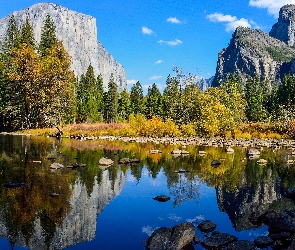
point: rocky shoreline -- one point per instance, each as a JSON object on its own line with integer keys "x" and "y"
{"x": 281, "y": 231}
{"x": 209, "y": 142}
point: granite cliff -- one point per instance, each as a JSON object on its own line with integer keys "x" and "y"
{"x": 79, "y": 35}
{"x": 253, "y": 52}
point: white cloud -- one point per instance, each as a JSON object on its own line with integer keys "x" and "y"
{"x": 159, "y": 62}
{"x": 131, "y": 82}
{"x": 272, "y": 6}
{"x": 148, "y": 230}
{"x": 171, "y": 43}
{"x": 146, "y": 31}
{"x": 174, "y": 217}
{"x": 173, "y": 20}
{"x": 155, "y": 77}
{"x": 232, "y": 22}
{"x": 145, "y": 86}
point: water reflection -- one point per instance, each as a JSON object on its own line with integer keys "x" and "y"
{"x": 29, "y": 216}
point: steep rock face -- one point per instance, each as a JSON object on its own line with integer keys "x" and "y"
{"x": 253, "y": 52}
{"x": 284, "y": 29}
{"x": 79, "y": 35}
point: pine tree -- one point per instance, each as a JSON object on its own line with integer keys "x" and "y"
{"x": 90, "y": 95}
{"x": 48, "y": 36}
{"x": 124, "y": 105}
{"x": 12, "y": 35}
{"x": 99, "y": 95}
{"x": 27, "y": 34}
{"x": 136, "y": 98}
{"x": 153, "y": 102}
{"x": 171, "y": 98}
{"x": 255, "y": 97}
{"x": 112, "y": 101}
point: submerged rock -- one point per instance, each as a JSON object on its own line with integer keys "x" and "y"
{"x": 56, "y": 165}
{"x": 263, "y": 241}
{"x": 241, "y": 245}
{"x": 174, "y": 238}
{"x": 135, "y": 160}
{"x": 15, "y": 185}
{"x": 207, "y": 226}
{"x": 124, "y": 161}
{"x": 215, "y": 163}
{"x": 262, "y": 162}
{"x": 218, "y": 240}
{"x": 253, "y": 151}
{"x": 162, "y": 198}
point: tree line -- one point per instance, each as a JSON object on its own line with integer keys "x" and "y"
{"x": 38, "y": 89}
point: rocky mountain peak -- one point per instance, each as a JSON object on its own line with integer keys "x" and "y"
{"x": 284, "y": 29}
{"x": 79, "y": 35}
{"x": 252, "y": 52}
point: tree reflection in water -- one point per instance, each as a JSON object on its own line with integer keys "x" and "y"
{"x": 185, "y": 189}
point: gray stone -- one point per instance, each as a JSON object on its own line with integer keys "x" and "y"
{"x": 263, "y": 241}
{"x": 79, "y": 35}
{"x": 162, "y": 198}
{"x": 219, "y": 240}
{"x": 241, "y": 245}
{"x": 56, "y": 165}
{"x": 105, "y": 162}
{"x": 207, "y": 226}
{"x": 124, "y": 161}
{"x": 174, "y": 238}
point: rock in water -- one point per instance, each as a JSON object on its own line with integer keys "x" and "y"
{"x": 162, "y": 198}
{"x": 15, "y": 185}
{"x": 207, "y": 226}
{"x": 241, "y": 245}
{"x": 219, "y": 240}
{"x": 263, "y": 241}
{"x": 174, "y": 238}
{"x": 105, "y": 162}
{"x": 79, "y": 35}
{"x": 215, "y": 163}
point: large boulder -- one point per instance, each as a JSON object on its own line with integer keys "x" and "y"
{"x": 105, "y": 162}
{"x": 219, "y": 240}
{"x": 174, "y": 238}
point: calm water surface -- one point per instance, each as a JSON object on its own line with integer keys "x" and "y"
{"x": 113, "y": 208}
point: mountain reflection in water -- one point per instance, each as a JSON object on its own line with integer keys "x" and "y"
{"x": 84, "y": 209}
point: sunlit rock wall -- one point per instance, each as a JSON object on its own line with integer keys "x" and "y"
{"x": 79, "y": 35}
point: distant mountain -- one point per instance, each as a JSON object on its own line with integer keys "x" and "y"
{"x": 253, "y": 52}
{"x": 205, "y": 83}
{"x": 79, "y": 35}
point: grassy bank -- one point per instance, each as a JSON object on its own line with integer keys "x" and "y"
{"x": 154, "y": 127}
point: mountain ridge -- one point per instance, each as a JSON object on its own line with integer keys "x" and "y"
{"x": 252, "y": 51}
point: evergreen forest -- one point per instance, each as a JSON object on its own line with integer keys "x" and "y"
{"x": 38, "y": 89}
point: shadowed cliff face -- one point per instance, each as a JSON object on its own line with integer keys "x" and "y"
{"x": 79, "y": 35}
{"x": 253, "y": 52}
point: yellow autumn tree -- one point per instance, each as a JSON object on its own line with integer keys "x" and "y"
{"x": 24, "y": 74}
{"x": 58, "y": 82}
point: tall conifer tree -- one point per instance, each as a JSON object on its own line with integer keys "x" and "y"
{"x": 48, "y": 36}
{"x": 27, "y": 34}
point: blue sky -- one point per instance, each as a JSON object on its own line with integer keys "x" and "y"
{"x": 149, "y": 37}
